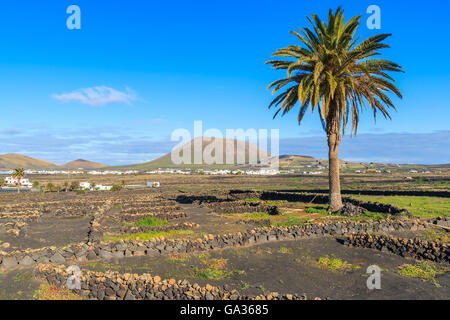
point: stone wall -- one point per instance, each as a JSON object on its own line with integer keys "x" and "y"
{"x": 116, "y": 286}
{"x": 416, "y": 248}
{"x": 321, "y": 199}
{"x": 91, "y": 251}
{"x": 139, "y": 229}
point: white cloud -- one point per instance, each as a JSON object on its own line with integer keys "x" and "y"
{"x": 98, "y": 96}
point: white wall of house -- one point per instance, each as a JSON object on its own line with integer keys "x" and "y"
{"x": 24, "y": 182}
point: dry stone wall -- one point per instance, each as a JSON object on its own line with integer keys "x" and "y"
{"x": 416, "y": 248}
{"x": 91, "y": 251}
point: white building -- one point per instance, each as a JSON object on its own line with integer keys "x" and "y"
{"x": 102, "y": 187}
{"x": 85, "y": 185}
{"x": 24, "y": 182}
{"x": 153, "y": 184}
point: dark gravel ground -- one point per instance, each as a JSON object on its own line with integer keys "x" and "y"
{"x": 291, "y": 267}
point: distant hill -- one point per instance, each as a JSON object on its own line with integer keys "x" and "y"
{"x": 83, "y": 164}
{"x": 11, "y": 161}
{"x": 165, "y": 161}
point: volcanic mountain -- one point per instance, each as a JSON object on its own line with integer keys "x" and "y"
{"x": 240, "y": 153}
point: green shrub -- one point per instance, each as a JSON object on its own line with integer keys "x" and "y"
{"x": 116, "y": 188}
{"x": 316, "y": 210}
{"x": 150, "y": 222}
{"x": 424, "y": 270}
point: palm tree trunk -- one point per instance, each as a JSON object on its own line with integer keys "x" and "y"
{"x": 335, "y": 199}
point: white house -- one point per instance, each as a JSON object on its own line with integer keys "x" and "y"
{"x": 102, "y": 187}
{"x": 85, "y": 185}
{"x": 24, "y": 182}
{"x": 153, "y": 184}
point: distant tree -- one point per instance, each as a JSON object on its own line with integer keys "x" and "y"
{"x": 74, "y": 186}
{"x": 331, "y": 73}
{"x": 58, "y": 188}
{"x": 123, "y": 183}
{"x": 35, "y": 184}
{"x": 49, "y": 186}
{"x": 2, "y": 182}
{"x": 66, "y": 186}
{"x": 19, "y": 174}
{"x": 116, "y": 188}
{"x": 93, "y": 184}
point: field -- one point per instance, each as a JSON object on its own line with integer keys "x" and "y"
{"x": 227, "y": 237}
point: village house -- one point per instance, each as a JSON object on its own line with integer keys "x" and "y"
{"x": 24, "y": 182}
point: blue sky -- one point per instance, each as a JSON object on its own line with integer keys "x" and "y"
{"x": 115, "y": 90}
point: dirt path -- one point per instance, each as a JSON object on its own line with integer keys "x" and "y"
{"x": 208, "y": 221}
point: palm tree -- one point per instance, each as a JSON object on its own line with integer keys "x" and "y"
{"x": 75, "y": 185}
{"x": 334, "y": 75}
{"x": 50, "y": 186}
{"x": 19, "y": 174}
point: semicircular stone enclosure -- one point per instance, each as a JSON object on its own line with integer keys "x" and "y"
{"x": 223, "y": 244}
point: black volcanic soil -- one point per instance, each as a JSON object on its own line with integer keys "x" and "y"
{"x": 289, "y": 267}
{"x": 49, "y": 231}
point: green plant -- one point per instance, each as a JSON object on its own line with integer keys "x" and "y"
{"x": 19, "y": 174}
{"x": 285, "y": 250}
{"x": 74, "y": 185}
{"x": 150, "y": 222}
{"x": 116, "y": 188}
{"x": 51, "y": 292}
{"x": 293, "y": 221}
{"x": 148, "y": 235}
{"x": 335, "y": 264}
{"x": 49, "y": 186}
{"x": 424, "y": 270}
{"x": 316, "y": 210}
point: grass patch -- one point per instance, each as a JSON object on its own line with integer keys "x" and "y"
{"x": 217, "y": 274}
{"x": 151, "y": 222}
{"x": 369, "y": 215}
{"x": 249, "y": 215}
{"x": 424, "y": 270}
{"x": 316, "y": 209}
{"x": 335, "y": 264}
{"x": 214, "y": 268}
{"x": 293, "y": 221}
{"x": 285, "y": 250}
{"x": 148, "y": 235}
{"x": 179, "y": 259}
{"x": 274, "y": 202}
{"x": 423, "y": 207}
{"x": 51, "y": 292}
{"x": 250, "y": 200}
